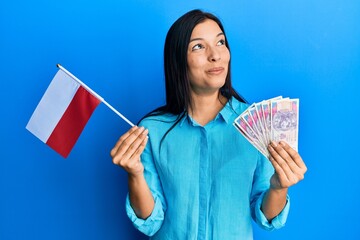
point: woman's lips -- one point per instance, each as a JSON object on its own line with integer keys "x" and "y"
{"x": 215, "y": 70}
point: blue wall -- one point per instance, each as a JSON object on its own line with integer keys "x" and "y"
{"x": 297, "y": 48}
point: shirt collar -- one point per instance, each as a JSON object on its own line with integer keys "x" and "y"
{"x": 225, "y": 113}
{"x": 228, "y": 110}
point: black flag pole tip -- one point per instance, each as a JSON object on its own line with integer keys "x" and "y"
{"x": 58, "y": 65}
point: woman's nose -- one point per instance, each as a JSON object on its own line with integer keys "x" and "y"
{"x": 214, "y": 54}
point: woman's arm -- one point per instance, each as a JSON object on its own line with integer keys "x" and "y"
{"x": 289, "y": 170}
{"x": 141, "y": 199}
{"x": 273, "y": 203}
{"x": 126, "y": 153}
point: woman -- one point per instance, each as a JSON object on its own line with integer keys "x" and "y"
{"x": 197, "y": 177}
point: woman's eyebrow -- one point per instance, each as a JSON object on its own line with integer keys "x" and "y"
{"x": 197, "y": 39}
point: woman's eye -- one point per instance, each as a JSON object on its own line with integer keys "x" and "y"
{"x": 221, "y": 42}
{"x": 197, "y": 47}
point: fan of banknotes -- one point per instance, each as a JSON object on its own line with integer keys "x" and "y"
{"x": 276, "y": 119}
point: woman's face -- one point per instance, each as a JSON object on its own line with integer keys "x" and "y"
{"x": 208, "y": 58}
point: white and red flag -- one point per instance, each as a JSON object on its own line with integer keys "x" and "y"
{"x": 63, "y": 112}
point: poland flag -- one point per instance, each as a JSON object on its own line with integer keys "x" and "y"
{"x": 62, "y": 113}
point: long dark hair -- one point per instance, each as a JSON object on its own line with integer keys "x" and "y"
{"x": 177, "y": 83}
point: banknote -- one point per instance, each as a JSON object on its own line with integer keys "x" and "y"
{"x": 266, "y": 106}
{"x": 249, "y": 134}
{"x": 285, "y": 121}
{"x": 258, "y": 124}
{"x": 275, "y": 119}
{"x": 249, "y": 121}
{"x": 260, "y": 114}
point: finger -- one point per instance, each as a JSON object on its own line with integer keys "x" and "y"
{"x": 126, "y": 141}
{"x": 134, "y": 160}
{"x": 294, "y": 155}
{"x": 288, "y": 167}
{"x": 136, "y": 139}
{"x": 278, "y": 169}
{"x": 281, "y": 150}
{"x": 285, "y": 179}
{"x": 121, "y": 139}
{"x": 140, "y": 149}
{"x": 120, "y": 157}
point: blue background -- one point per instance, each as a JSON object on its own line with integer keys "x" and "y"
{"x": 297, "y": 48}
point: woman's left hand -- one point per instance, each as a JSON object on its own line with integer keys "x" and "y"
{"x": 289, "y": 166}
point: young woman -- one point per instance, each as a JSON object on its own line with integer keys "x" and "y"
{"x": 196, "y": 176}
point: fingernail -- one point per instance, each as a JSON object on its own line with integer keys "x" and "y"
{"x": 282, "y": 143}
{"x": 141, "y": 128}
{"x": 274, "y": 143}
{"x": 270, "y": 148}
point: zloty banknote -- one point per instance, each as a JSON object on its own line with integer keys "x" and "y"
{"x": 258, "y": 124}
{"x": 285, "y": 121}
{"x": 248, "y": 133}
{"x": 259, "y": 111}
{"x": 249, "y": 121}
{"x": 266, "y": 105}
{"x": 273, "y": 119}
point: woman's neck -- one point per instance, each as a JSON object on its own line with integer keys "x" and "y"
{"x": 204, "y": 108}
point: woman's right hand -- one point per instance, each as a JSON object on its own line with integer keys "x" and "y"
{"x": 126, "y": 152}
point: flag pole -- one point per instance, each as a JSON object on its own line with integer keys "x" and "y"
{"x": 95, "y": 94}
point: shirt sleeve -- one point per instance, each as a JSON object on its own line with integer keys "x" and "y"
{"x": 150, "y": 225}
{"x": 261, "y": 184}
{"x": 154, "y": 222}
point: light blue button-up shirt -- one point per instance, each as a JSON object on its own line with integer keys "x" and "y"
{"x": 208, "y": 182}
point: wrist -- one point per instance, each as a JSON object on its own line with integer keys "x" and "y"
{"x": 135, "y": 177}
{"x": 278, "y": 190}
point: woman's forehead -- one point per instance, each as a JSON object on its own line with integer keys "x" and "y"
{"x": 206, "y": 28}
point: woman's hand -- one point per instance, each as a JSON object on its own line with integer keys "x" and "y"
{"x": 289, "y": 166}
{"x": 126, "y": 152}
